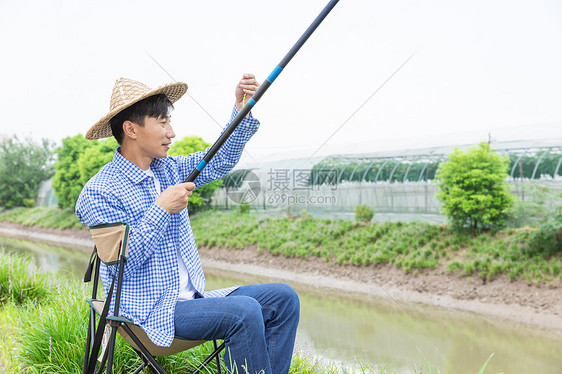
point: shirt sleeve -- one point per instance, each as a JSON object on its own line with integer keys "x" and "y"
{"x": 96, "y": 208}
{"x": 227, "y": 156}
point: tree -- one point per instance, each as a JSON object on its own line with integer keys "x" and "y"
{"x": 78, "y": 161}
{"x": 93, "y": 158}
{"x": 24, "y": 164}
{"x": 202, "y": 197}
{"x": 473, "y": 188}
{"x": 66, "y": 182}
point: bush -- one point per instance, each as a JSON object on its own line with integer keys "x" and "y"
{"x": 23, "y": 166}
{"x": 547, "y": 240}
{"x": 244, "y": 208}
{"x": 473, "y": 188}
{"x": 540, "y": 205}
{"x": 363, "y": 213}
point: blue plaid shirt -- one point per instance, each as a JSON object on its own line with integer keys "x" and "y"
{"x": 121, "y": 192}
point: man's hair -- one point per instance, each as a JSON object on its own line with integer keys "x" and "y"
{"x": 155, "y": 106}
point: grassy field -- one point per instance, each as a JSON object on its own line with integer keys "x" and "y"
{"x": 43, "y": 328}
{"x": 532, "y": 253}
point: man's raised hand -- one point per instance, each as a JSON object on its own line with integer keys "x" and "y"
{"x": 248, "y": 85}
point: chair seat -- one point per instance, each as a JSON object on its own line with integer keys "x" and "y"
{"x": 178, "y": 344}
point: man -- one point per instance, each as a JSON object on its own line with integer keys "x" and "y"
{"x": 163, "y": 285}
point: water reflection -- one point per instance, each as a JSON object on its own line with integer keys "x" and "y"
{"x": 49, "y": 258}
{"x": 372, "y": 330}
{"x": 350, "y": 326}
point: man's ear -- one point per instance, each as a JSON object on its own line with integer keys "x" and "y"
{"x": 130, "y": 129}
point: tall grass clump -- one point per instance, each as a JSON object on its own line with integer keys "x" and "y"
{"x": 20, "y": 280}
{"x": 53, "y": 334}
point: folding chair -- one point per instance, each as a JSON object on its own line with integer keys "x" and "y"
{"x": 111, "y": 249}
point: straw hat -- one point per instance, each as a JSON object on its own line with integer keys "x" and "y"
{"x": 127, "y": 92}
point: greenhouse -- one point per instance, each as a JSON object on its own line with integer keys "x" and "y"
{"x": 397, "y": 185}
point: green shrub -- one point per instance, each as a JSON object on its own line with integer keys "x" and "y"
{"x": 363, "y": 213}
{"x": 473, "y": 188}
{"x": 244, "y": 208}
{"x": 547, "y": 240}
{"x": 540, "y": 205}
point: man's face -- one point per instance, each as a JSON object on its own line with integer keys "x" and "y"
{"x": 155, "y": 137}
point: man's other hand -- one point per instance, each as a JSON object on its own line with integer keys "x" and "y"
{"x": 175, "y": 198}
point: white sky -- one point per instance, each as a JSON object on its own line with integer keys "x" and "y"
{"x": 480, "y": 67}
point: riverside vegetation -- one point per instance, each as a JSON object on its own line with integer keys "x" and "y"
{"x": 43, "y": 322}
{"x": 533, "y": 253}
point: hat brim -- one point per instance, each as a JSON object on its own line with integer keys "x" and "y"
{"x": 102, "y": 128}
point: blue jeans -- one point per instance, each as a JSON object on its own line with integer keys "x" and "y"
{"x": 257, "y": 322}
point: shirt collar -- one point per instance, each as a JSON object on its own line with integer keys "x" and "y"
{"x": 132, "y": 171}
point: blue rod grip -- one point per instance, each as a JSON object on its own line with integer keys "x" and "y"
{"x": 275, "y": 73}
{"x": 201, "y": 165}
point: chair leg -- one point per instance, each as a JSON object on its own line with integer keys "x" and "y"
{"x": 144, "y": 362}
{"x": 209, "y": 359}
{"x": 218, "y": 357}
{"x": 101, "y": 365}
{"x": 139, "y": 369}
{"x": 151, "y": 361}
{"x": 107, "y": 353}
{"x": 111, "y": 348}
{"x": 88, "y": 342}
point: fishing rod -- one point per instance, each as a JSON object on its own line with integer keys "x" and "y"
{"x": 261, "y": 90}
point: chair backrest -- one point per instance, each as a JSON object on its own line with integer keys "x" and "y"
{"x": 110, "y": 239}
{"x": 111, "y": 248}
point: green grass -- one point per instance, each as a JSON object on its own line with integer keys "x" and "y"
{"x": 42, "y": 217}
{"x": 51, "y": 338}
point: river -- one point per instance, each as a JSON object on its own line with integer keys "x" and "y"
{"x": 345, "y": 327}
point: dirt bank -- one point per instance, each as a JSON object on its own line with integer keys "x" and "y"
{"x": 517, "y": 301}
